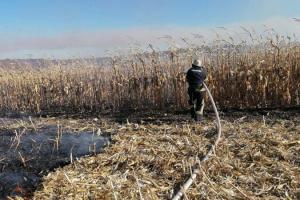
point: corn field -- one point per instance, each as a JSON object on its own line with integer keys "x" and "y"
{"x": 242, "y": 76}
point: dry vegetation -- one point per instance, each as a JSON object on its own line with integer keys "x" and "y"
{"x": 258, "y": 73}
{"x": 258, "y": 158}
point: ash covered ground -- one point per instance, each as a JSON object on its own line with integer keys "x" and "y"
{"x": 30, "y": 148}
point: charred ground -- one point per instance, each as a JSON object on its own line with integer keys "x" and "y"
{"x": 151, "y": 155}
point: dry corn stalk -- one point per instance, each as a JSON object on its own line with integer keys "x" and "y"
{"x": 241, "y": 75}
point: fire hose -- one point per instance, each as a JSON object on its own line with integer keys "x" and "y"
{"x": 211, "y": 150}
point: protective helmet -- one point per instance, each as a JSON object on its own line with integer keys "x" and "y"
{"x": 197, "y": 63}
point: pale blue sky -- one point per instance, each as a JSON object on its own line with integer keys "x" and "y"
{"x": 28, "y": 26}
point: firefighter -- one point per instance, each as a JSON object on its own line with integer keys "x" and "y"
{"x": 195, "y": 77}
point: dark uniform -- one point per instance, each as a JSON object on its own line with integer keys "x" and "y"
{"x": 195, "y": 77}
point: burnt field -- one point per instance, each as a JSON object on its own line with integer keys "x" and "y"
{"x": 30, "y": 148}
{"x": 118, "y": 129}
{"x": 149, "y": 155}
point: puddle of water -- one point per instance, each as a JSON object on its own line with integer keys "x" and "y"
{"x": 24, "y": 158}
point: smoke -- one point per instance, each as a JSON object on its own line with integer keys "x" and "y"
{"x": 95, "y": 43}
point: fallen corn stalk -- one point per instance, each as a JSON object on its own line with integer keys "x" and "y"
{"x": 196, "y": 170}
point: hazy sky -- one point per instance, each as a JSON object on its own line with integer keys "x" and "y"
{"x": 66, "y": 28}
